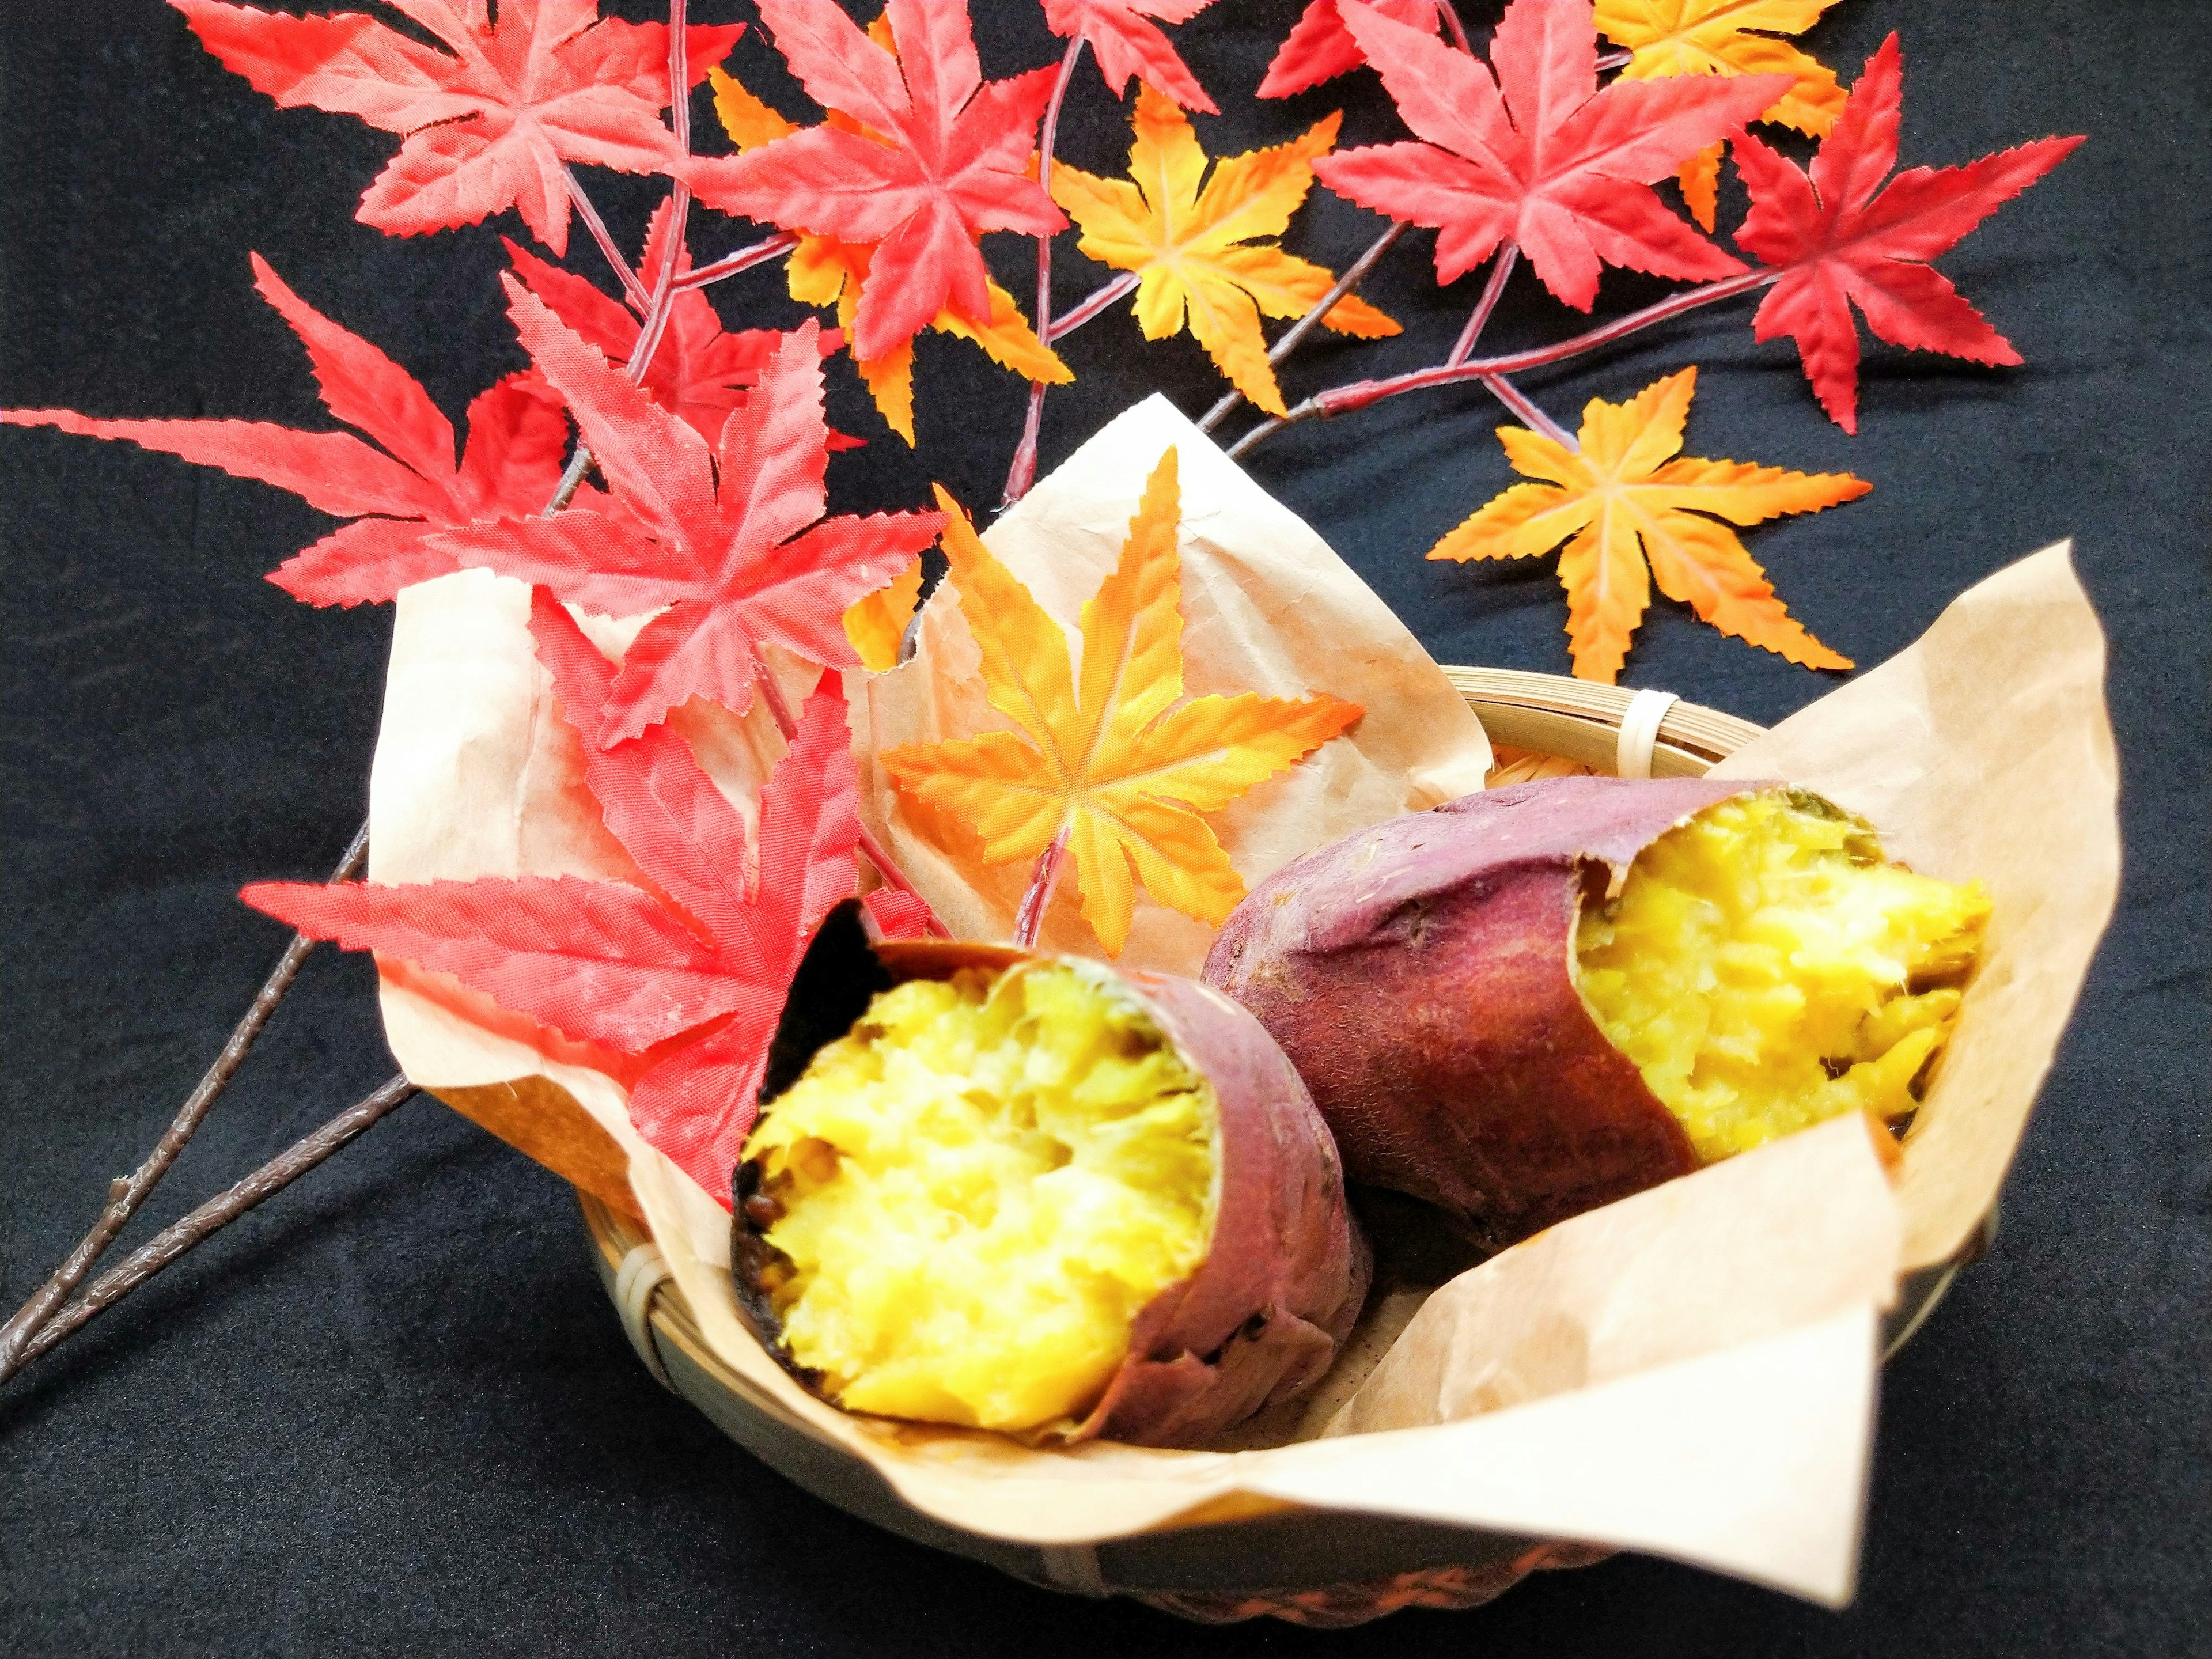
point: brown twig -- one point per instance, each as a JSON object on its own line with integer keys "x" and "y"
{"x": 173, "y": 1241}
{"x": 1028, "y": 919}
{"x": 1023, "y": 471}
{"x": 126, "y": 1193}
{"x": 1354, "y": 275}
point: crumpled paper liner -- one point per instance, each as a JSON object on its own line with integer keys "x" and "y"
{"x": 1689, "y": 1372}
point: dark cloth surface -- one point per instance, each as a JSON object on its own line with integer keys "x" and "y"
{"x": 393, "y": 1412}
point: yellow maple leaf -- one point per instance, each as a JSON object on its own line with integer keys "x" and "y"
{"x": 823, "y": 271}
{"x": 1627, "y": 487}
{"x": 876, "y": 622}
{"x": 1115, "y": 763}
{"x": 1725, "y": 37}
{"x": 1200, "y": 253}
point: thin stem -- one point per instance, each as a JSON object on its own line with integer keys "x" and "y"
{"x": 1358, "y": 394}
{"x": 604, "y": 238}
{"x": 1305, "y": 326}
{"x": 218, "y": 1212}
{"x": 1097, "y": 300}
{"x": 731, "y": 263}
{"x": 1458, "y": 29}
{"x": 1492, "y": 290}
{"x": 1612, "y": 60}
{"x": 125, "y": 1194}
{"x": 1520, "y": 403}
{"x": 771, "y": 694}
{"x": 1022, "y": 473}
{"x": 1029, "y": 919}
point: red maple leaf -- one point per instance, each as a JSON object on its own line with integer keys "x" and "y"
{"x": 1129, "y": 44}
{"x": 943, "y": 159}
{"x": 395, "y": 495}
{"x": 707, "y": 954}
{"x": 490, "y": 125}
{"x": 730, "y": 539}
{"x": 700, "y": 372}
{"x": 1840, "y": 237}
{"x": 1540, "y": 157}
{"x": 1319, "y": 48}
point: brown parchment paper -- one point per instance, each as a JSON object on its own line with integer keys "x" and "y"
{"x": 1635, "y": 1377}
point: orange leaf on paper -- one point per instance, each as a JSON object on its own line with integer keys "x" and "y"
{"x": 1725, "y": 37}
{"x": 824, "y": 271}
{"x": 1115, "y": 761}
{"x": 1198, "y": 254}
{"x": 876, "y": 622}
{"x": 1627, "y": 486}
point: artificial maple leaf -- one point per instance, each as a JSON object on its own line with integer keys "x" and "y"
{"x": 1628, "y": 485}
{"x": 396, "y": 496}
{"x": 490, "y": 125}
{"x": 731, "y": 540}
{"x": 877, "y": 624}
{"x": 1197, "y": 252}
{"x": 1723, "y": 37}
{"x": 942, "y": 158}
{"x": 1112, "y": 762}
{"x": 707, "y": 954}
{"x": 1841, "y": 237}
{"x": 699, "y": 372}
{"x": 1319, "y": 48}
{"x": 1129, "y": 44}
{"x": 1540, "y": 157}
{"x": 824, "y": 271}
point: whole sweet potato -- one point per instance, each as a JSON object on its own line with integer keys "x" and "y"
{"x": 1280, "y": 1268}
{"x": 1419, "y": 976}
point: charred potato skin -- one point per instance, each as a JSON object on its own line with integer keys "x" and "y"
{"x": 1287, "y": 1268}
{"x": 1419, "y": 976}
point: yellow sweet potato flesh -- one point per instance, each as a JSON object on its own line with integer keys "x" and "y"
{"x": 1766, "y": 969}
{"x": 982, "y": 1185}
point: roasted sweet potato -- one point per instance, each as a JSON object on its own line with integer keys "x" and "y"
{"x": 1040, "y": 1195}
{"x": 1532, "y": 1001}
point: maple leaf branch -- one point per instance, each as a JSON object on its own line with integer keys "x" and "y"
{"x": 871, "y": 849}
{"x": 126, "y": 1193}
{"x": 730, "y": 265}
{"x": 1358, "y": 394}
{"x": 1023, "y": 471}
{"x": 219, "y": 1212}
{"x": 1093, "y": 303}
{"x": 1029, "y": 919}
{"x": 589, "y": 212}
{"x": 1354, "y": 275}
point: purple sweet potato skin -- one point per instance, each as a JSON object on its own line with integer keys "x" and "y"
{"x": 1287, "y": 1269}
{"x": 1264, "y": 1315}
{"x": 1418, "y": 974}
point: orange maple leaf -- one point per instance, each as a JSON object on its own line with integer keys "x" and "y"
{"x": 1725, "y": 37}
{"x": 1199, "y": 253}
{"x": 1117, "y": 763}
{"x": 1628, "y": 485}
{"x": 824, "y": 271}
{"x": 876, "y": 624}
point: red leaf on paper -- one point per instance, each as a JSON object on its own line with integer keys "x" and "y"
{"x": 1319, "y": 48}
{"x": 943, "y": 159}
{"x": 710, "y": 955}
{"x": 730, "y": 539}
{"x": 489, "y": 124}
{"x": 1130, "y": 44}
{"x": 1841, "y": 237}
{"x": 395, "y": 494}
{"x": 699, "y": 372}
{"x": 1540, "y": 156}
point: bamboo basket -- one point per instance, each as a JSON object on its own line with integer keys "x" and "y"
{"x": 1309, "y": 1567}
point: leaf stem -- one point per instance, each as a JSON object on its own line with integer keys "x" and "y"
{"x": 1358, "y": 394}
{"x": 1297, "y": 331}
{"x": 1501, "y": 268}
{"x": 590, "y": 215}
{"x": 1093, "y": 303}
{"x": 126, "y": 1193}
{"x": 1458, "y": 29}
{"x": 1029, "y": 919}
{"x": 771, "y": 694}
{"x": 218, "y": 1212}
{"x": 1023, "y": 472}
{"x": 731, "y": 263}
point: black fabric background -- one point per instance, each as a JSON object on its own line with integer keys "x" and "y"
{"x": 391, "y": 1411}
